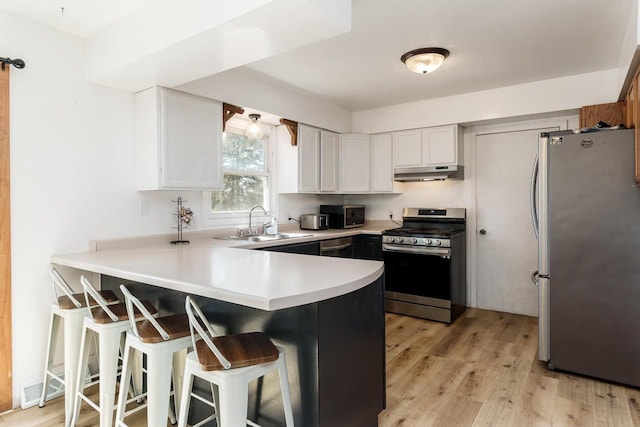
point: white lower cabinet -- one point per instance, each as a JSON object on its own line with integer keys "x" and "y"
{"x": 178, "y": 141}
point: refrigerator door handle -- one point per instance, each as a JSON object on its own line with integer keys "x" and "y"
{"x": 534, "y": 191}
{"x": 534, "y": 278}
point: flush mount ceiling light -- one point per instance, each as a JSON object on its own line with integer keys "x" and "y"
{"x": 254, "y": 130}
{"x": 424, "y": 60}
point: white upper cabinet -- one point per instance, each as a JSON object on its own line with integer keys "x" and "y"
{"x": 407, "y": 147}
{"x": 382, "y": 163}
{"x": 318, "y": 160}
{"x": 355, "y": 159}
{"x": 440, "y": 145}
{"x": 178, "y": 141}
{"x": 329, "y": 162}
{"x": 366, "y": 163}
{"x": 308, "y": 159}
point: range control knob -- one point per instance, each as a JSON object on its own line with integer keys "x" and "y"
{"x": 400, "y": 239}
{"x": 391, "y": 239}
{"x": 437, "y": 242}
{"x": 414, "y": 240}
{"x": 427, "y": 242}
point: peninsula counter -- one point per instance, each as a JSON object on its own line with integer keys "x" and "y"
{"x": 328, "y": 314}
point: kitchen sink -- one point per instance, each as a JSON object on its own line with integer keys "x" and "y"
{"x": 265, "y": 237}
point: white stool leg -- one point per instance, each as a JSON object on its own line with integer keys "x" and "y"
{"x": 179, "y": 361}
{"x": 185, "y": 398}
{"x": 128, "y": 361}
{"x": 158, "y": 386}
{"x": 74, "y": 396}
{"x": 52, "y": 344}
{"x": 234, "y": 399}
{"x": 109, "y": 345}
{"x": 73, "y": 336}
{"x": 284, "y": 388}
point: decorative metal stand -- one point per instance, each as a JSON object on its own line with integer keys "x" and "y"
{"x": 184, "y": 217}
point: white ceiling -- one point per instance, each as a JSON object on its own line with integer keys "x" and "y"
{"x": 493, "y": 43}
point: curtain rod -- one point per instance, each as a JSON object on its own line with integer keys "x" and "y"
{"x": 18, "y": 63}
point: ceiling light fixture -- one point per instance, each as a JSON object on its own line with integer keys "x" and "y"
{"x": 254, "y": 130}
{"x": 425, "y": 60}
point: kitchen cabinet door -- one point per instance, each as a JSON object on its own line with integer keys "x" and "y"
{"x": 367, "y": 246}
{"x": 329, "y": 162}
{"x": 381, "y": 163}
{"x": 439, "y": 145}
{"x": 178, "y": 141}
{"x": 308, "y": 159}
{"x": 407, "y": 148}
{"x": 355, "y": 163}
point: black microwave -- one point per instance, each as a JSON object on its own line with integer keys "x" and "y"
{"x": 344, "y": 216}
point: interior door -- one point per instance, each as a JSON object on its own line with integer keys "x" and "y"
{"x": 5, "y": 248}
{"x": 506, "y": 246}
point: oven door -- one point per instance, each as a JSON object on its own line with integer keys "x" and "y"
{"x": 418, "y": 271}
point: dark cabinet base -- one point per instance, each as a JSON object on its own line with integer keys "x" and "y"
{"x": 335, "y": 353}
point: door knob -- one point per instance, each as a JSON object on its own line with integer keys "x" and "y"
{"x": 483, "y": 231}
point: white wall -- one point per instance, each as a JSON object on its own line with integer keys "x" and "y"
{"x": 513, "y": 102}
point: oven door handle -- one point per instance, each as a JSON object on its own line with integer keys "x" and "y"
{"x": 444, "y": 252}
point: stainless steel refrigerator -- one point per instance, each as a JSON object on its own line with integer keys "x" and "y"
{"x": 587, "y": 214}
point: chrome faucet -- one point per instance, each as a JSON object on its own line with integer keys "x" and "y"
{"x": 251, "y": 212}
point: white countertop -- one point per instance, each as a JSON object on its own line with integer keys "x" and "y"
{"x": 211, "y": 238}
{"x": 210, "y": 268}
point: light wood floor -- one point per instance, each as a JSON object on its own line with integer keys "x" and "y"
{"x": 483, "y": 371}
{"x": 480, "y": 371}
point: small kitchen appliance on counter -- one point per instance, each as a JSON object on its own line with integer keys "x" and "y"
{"x": 425, "y": 264}
{"x": 344, "y": 216}
{"x": 314, "y": 221}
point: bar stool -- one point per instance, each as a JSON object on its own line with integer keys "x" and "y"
{"x": 108, "y": 323}
{"x": 164, "y": 341}
{"x": 231, "y": 362}
{"x": 67, "y": 315}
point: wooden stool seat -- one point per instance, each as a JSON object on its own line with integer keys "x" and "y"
{"x": 65, "y": 303}
{"x": 229, "y": 363}
{"x": 240, "y": 350}
{"x": 120, "y": 310}
{"x": 176, "y": 325}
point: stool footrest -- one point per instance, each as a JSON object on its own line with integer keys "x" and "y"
{"x": 206, "y": 420}
{"x": 203, "y": 400}
{"x": 136, "y": 409}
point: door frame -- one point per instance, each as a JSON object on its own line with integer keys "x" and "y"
{"x": 6, "y": 367}
{"x": 563, "y": 121}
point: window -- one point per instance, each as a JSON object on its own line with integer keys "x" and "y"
{"x": 247, "y": 177}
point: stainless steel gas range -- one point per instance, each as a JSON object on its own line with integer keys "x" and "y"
{"x": 425, "y": 264}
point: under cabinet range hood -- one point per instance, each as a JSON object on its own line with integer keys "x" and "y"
{"x": 428, "y": 173}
